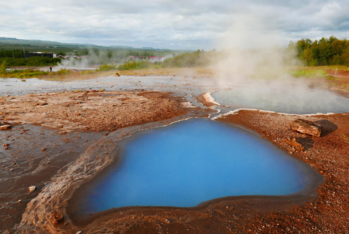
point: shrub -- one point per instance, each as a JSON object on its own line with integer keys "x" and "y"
{"x": 132, "y": 65}
{"x": 106, "y": 67}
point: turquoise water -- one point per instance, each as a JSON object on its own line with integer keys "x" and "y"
{"x": 191, "y": 162}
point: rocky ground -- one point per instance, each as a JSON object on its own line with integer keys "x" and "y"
{"x": 328, "y": 154}
{"x": 50, "y": 131}
{"x": 58, "y": 141}
{"x": 90, "y": 110}
{"x": 325, "y": 212}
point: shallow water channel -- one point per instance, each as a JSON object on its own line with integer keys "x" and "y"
{"x": 191, "y": 162}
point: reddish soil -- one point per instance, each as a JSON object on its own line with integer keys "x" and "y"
{"x": 329, "y": 155}
{"x": 31, "y": 155}
{"x": 339, "y": 74}
{"x": 96, "y": 111}
{"x": 325, "y": 212}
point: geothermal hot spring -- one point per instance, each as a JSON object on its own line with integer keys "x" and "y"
{"x": 282, "y": 99}
{"x": 191, "y": 162}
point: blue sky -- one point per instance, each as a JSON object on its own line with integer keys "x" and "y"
{"x": 190, "y": 24}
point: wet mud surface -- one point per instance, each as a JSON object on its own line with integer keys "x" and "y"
{"x": 53, "y": 130}
{"x": 65, "y": 165}
{"x": 34, "y": 154}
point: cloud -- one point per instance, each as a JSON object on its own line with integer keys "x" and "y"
{"x": 181, "y": 24}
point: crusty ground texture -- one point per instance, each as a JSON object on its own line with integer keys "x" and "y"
{"x": 329, "y": 155}
{"x": 90, "y": 110}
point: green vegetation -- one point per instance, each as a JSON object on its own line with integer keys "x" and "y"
{"x": 62, "y": 72}
{"x": 3, "y": 67}
{"x": 106, "y": 67}
{"x": 13, "y": 48}
{"x": 132, "y": 65}
{"x": 331, "y": 51}
{"x": 32, "y": 61}
{"x": 310, "y": 73}
{"x": 196, "y": 59}
{"x": 14, "y": 53}
{"x": 26, "y": 73}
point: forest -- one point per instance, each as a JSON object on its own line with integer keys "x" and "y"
{"x": 326, "y": 51}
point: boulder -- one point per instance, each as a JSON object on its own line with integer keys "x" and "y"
{"x": 306, "y": 127}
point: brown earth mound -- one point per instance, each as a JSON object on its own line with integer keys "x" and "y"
{"x": 96, "y": 111}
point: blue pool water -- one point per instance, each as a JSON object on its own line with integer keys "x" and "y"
{"x": 191, "y": 162}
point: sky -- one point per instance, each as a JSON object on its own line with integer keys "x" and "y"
{"x": 170, "y": 24}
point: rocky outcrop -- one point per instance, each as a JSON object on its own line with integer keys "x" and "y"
{"x": 56, "y": 218}
{"x": 306, "y": 127}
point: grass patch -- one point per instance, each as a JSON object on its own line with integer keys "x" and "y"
{"x": 134, "y": 65}
{"x": 308, "y": 73}
{"x": 106, "y": 67}
{"x": 26, "y": 73}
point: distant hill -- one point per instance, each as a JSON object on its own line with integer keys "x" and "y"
{"x": 119, "y": 46}
{"x": 9, "y": 43}
{"x": 15, "y": 41}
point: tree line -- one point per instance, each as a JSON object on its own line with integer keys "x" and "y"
{"x": 326, "y": 51}
{"x": 15, "y": 53}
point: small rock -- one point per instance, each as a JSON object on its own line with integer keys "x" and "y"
{"x": 19, "y": 201}
{"x": 43, "y": 149}
{"x": 79, "y": 232}
{"x": 11, "y": 169}
{"x": 32, "y": 189}
{"x": 5, "y": 127}
{"x": 293, "y": 142}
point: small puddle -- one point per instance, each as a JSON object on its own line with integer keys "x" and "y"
{"x": 292, "y": 101}
{"x": 191, "y": 162}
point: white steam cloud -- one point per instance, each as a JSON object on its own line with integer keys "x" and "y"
{"x": 256, "y": 69}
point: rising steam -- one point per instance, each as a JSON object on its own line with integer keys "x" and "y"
{"x": 256, "y": 67}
